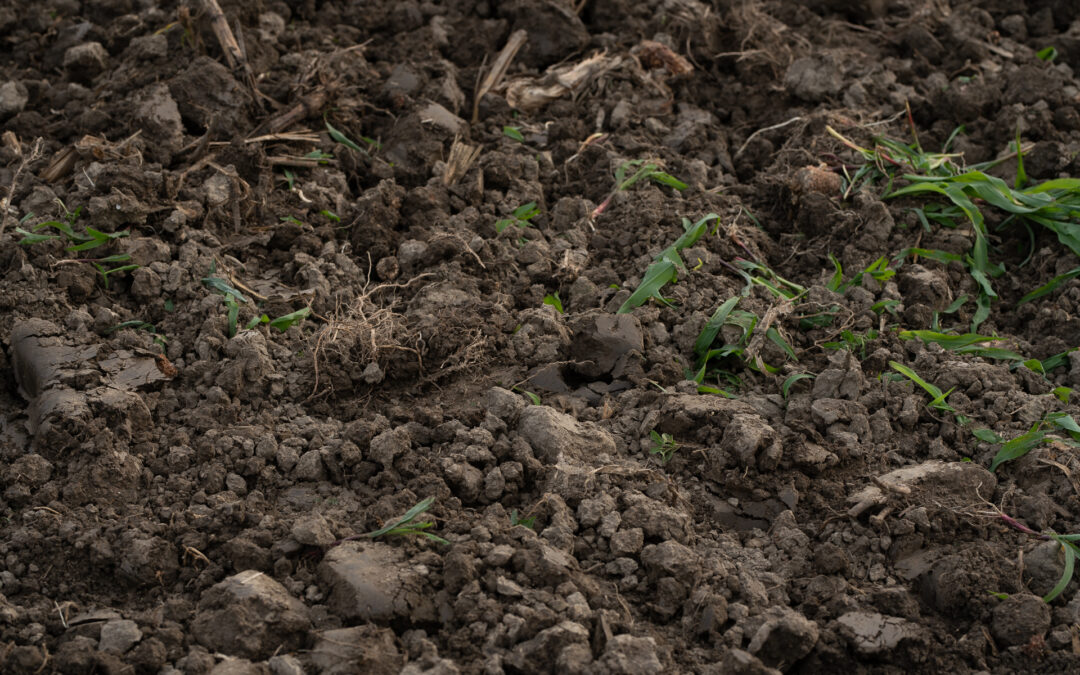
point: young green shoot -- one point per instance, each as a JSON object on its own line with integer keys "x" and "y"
{"x": 554, "y": 300}
{"x": 403, "y": 526}
{"x": 645, "y": 171}
{"x": 519, "y": 218}
{"x": 663, "y": 445}
{"x": 665, "y": 266}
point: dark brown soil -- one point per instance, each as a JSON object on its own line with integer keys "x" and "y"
{"x": 176, "y": 485}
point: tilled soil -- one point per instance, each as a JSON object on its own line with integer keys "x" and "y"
{"x": 191, "y": 487}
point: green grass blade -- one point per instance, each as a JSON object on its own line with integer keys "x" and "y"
{"x": 838, "y": 275}
{"x": 282, "y": 323}
{"x": 945, "y": 340}
{"x": 1067, "y": 573}
{"x": 1050, "y": 286}
{"x": 657, "y": 276}
{"x": 785, "y": 388}
{"x": 713, "y": 326}
{"x": 342, "y": 138}
{"x": 420, "y": 507}
{"x": 1018, "y": 447}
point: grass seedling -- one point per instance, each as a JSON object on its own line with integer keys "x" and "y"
{"x": 85, "y": 240}
{"x": 1053, "y": 204}
{"x": 1069, "y": 548}
{"x": 645, "y": 171}
{"x": 665, "y": 266}
{"x": 516, "y": 520}
{"x": 938, "y": 397}
{"x": 554, "y": 300}
{"x": 853, "y": 342}
{"x": 513, "y": 133}
{"x": 282, "y": 323}
{"x": 519, "y": 218}
{"x": 403, "y": 526}
{"x": 348, "y": 142}
{"x": 233, "y": 297}
{"x": 533, "y": 397}
{"x": 1038, "y": 433}
{"x": 663, "y": 445}
{"x": 135, "y": 324}
{"x": 789, "y": 382}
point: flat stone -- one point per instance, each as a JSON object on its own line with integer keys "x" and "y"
{"x": 360, "y": 649}
{"x": 553, "y": 434}
{"x": 118, "y": 636}
{"x": 250, "y": 615}
{"x": 370, "y": 581}
{"x": 872, "y": 634}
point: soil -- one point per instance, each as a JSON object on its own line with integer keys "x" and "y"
{"x": 177, "y": 484}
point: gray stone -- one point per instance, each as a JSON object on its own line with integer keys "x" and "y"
{"x": 312, "y": 530}
{"x": 250, "y": 615}
{"x": 285, "y": 664}
{"x": 388, "y": 446}
{"x": 310, "y": 466}
{"x": 603, "y": 343}
{"x": 503, "y": 403}
{"x": 658, "y": 520}
{"x": 553, "y": 434}
{"x": 627, "y": 542}
{"x": 1043, "y": 566}
{"x": 370, "y": 581}
{"x": 784, "y": 638}
{"x": 118, "y": 636}
{"x": 813, "y": 78}
{"x": 361, "y": 649}
{"x": 629, "y": 655}
{"x": 435, "y": 114}
{"x": 745, "y": 436}
{"x": 870, "y": 633}
{"x": 1018, "y": 618}
{"x": 13, "y": 98}
{"x": 85, "y": 61}
{"x": 739, "y": 662}
{"x": 670, "y": 559}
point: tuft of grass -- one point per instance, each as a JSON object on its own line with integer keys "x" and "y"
{"x": 646, "y": 171}
{"x": 232, "y": 300}
{"x": 1070, "y": 551}
{"x": 519, "y": 217}
{"x": 555, "y": 301}
{"x": 135, "y": 324}
{"x": 665, "y": 266}
{"x": 663, "y": 445}
{"x": 282, "y": 323}
{"x": 853, "y": 342}
{"x": 938, "y": 397}
{"x": 1038, "y": 434}
{"x": 516, "y": 519}
{"x": 403, "y": 526}
{"x": 1053, "y": 204}
{"x": 790, "y": 381}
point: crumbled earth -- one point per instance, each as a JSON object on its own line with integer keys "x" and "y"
{"x": 179, "y": 465}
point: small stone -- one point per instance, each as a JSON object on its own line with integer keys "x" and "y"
{"x": 784, "y": 638}
{"x": 310, "y": 467}
{"x": 250, "y": 615}
{"x": 360, "y": 649}
{"x": 1019, "y": 618}
{"x": 671, "y": 559}
{"x": 118, "y": 636}
{"x": 504, "y": 586}
{"x": 627, "y": 542}
{"x": 13, "y": 98}
{"x": 371, "y": 582}
{"x": 85, "y": 61}
{"x": 388, "y": 268}
{"x": 285, "y": 664}
{"x": 872, "y": 634}
{"x": 630, "y": 655}
{"x": 553, "y": 434}
{"x": 312, "y": 530}
{"x": 388, "y": 446}
{"x": 603, "y": 343}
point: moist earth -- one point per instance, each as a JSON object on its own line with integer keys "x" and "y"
{"x": 312, "y": 264}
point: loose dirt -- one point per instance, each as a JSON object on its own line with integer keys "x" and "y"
{"x": 178, "y": 472}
